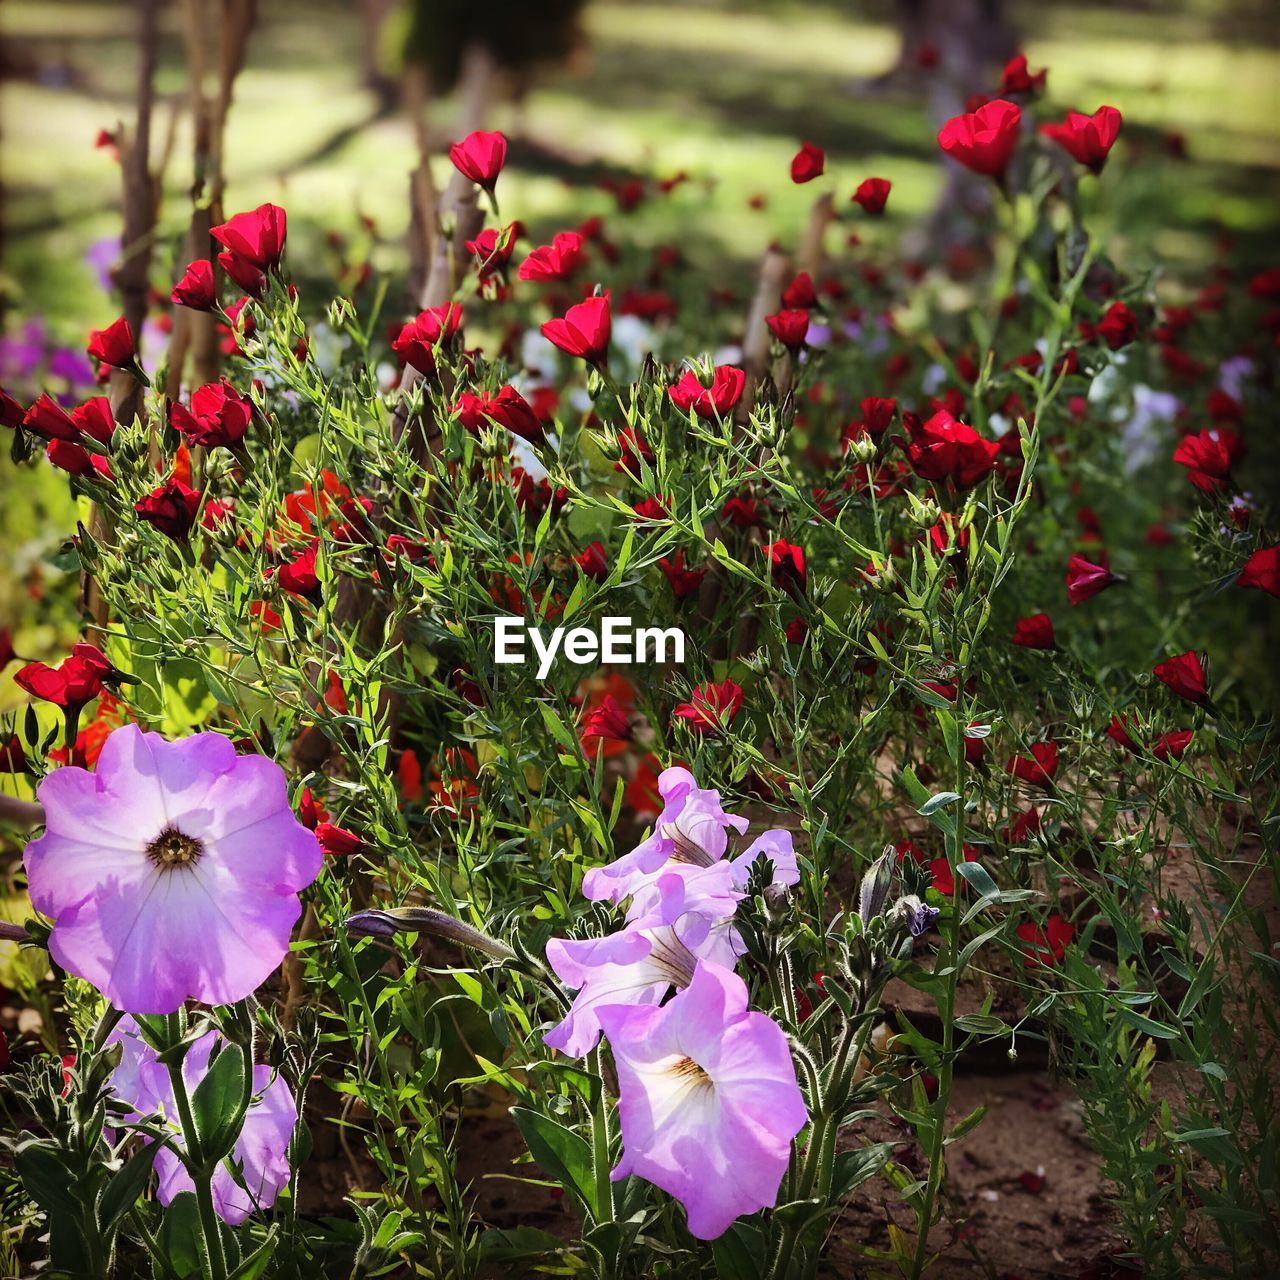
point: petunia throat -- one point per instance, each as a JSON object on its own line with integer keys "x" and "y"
{"x": 172, "y": 849}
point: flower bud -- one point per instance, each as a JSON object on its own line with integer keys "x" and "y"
{"x": 375, "y": 923}
{"x": 876, "y": 884}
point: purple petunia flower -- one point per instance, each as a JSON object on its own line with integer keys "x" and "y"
{"x": 708, "y": 1100}
{"x": 261, "y": 1152}
{"x": 172, "y": 873}
{"x": 637, "y": 966}
{"x": 691, "y": 834}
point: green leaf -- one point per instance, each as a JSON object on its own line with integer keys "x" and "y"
{"x": 124, "y": 1189}
{"x": 1148, "y": 1026}
{"x": 561, "y": 1153}
{"x": 256, "y": 1263}
{"x": 180, "y": 1234}
{"x": 853, "y": 1168}
{"x": 739, "y": 1253}
{"x": 216, "y": 1104}
{"x": 975, "y": 874}
{"x": 936, "y": 802}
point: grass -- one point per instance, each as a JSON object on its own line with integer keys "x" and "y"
{"x": 724, "y": 93}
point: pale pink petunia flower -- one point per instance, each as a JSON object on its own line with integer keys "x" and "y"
{"x": 708, "y": 1100}
{"x": 172, "y": 872}
{"x": 261, "y": 1152}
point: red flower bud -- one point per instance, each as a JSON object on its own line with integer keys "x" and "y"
{"x": 337, "y": 842}
{"x": 1085, "y": 579}
{"x": 113, "y": 346}
{"x": 480, "y": 157}
{"x": 1185, "y": 675}
{"x": 808, "y": 163}
{"x": 872, "y": 194}
{"x": 196, "y": 288}
{"x": 789, "y": 327}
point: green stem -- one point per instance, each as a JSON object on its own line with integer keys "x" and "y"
{"x": 200, "y": 1169}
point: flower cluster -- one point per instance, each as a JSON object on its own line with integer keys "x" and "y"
{"x": 708, "y": 1100}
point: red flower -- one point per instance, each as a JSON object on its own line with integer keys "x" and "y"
{"x": 872, "y": 194}
{"x": 480, "y": 157}
{"x": 299, "y": 577}
{"x": 650, "y": 509}
{"x": 311, "y": 813}
{"x": 786, "y": 561}
{"x": 642, "y": 794}
{"x": 983, "y": 140}
{"x": 1039, "y": 767}
{"x": 1018, "y": 78}
{"x": 877, "y": 414}
{"x": 789, "y": 326}
{"x": 219, "y": 415}
{"x": 196, "y": 288}
{"x": 256, "y": 237}
{"x": 11, "y": 412}
{"x": 555, "y": 261}
{"x": 584, "y": 330}
{"x": 943, "y": 448}
{"x": 744, "y": 513}
{"x": 1034, "y": 632}
{"x": 1118, "y": 327}
{"x": 944, "y": 879}
{"x": 171, "y": 508}
{"x": 507, "y": 407}
{"x": 243, "y": 272}
{"x": 594, "y": 562}
{"x": 94, "y": 419}
{"x": 1087, "y": 139}
{"x": 1262, "y": 571}
{"x": 493, "y": 248}
{"x": 113, "y": 346}
{"x": 711, "y": 706}
{"x": 800, "y": 293}
{"x": 795, "y": 631}
{"x": 1118, "y": 731}
{"x": 47, "y": 418}
{"x": 1185, "y": 675}
{"x": 337, "y": 842}
{"x": 1209, "y": 456}
{"x": 72, "y": 458}
{"x": 717, "y": 401}
{"x": 419, "y": 339}
{"x": 1046, "y": 945}
{"x": 76, "y": 680}
{"x": 684, "y": 582}
{"x": 807, "y": 163}
{"x": 1172, "y": 746}
{"x": 607, "y": 720}
{"x": 1085, "y": 579}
